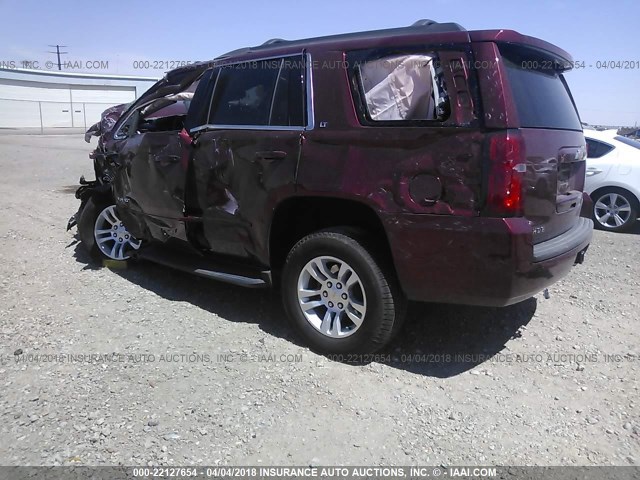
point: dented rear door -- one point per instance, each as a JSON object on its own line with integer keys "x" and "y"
{"x": 245, "y": 158}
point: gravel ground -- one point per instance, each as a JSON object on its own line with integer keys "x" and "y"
{"x": 198, "y": 372}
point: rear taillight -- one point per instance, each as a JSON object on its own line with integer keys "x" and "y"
{"x": 506, "y": 172}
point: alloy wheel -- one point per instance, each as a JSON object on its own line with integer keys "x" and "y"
{"x": 612, "y": 210}
{"x": 112, "y": 237}
{"x": 332, "y": 297}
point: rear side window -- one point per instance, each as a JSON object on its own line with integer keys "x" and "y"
{"x": 262, "y": 93}
{"x": 403, "y": 88}
{"x": 596, "y": 149}
{"x": 540, "y": 92}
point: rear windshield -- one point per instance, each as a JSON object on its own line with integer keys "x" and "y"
{"x": 629, "y": 141}
{"x": 540, "y": 92}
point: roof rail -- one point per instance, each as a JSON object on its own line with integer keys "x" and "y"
{"x": 433, "y": 26}
{"x": 423, "y": 22}
{"x": 273, "y": 40}
{"x": 421, "y": 26}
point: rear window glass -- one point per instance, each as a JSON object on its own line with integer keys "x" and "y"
{"x": 541, "y": 95}
{"x": 629, "y": 141}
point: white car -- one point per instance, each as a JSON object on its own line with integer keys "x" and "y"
{"x": 613, "y": 179}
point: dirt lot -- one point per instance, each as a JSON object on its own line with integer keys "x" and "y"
{"x": 197, "y": 372}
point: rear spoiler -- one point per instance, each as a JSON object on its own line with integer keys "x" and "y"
{"x": 563, "y": 59}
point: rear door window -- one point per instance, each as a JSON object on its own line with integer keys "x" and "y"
{"x": 288, "y": 108}
{"x": 244, "y": 92}
{"x": 261, "y": 93}
{"x": 540, "y": 92}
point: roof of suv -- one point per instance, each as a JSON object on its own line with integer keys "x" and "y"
{"x": 420, "y": 27}
{"x": 438, "y": 32}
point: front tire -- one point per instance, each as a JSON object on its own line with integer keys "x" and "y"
{"x": 103, "y": 234}
{"x": 338, "y": 296}
{"x": 614, "y": 209}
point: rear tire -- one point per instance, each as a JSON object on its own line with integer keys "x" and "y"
{"x": 338, "y": 296}
{"x": 614, "y": 209}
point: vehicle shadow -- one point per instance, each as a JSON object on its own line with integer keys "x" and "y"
{"x": 236, "y": 304}
{"x": 442, "y": 341}
{"x": 436, "y": 340}
{"x": 81, "y": 255}
{"x": 635, "y": 229}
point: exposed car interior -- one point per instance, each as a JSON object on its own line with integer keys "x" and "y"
{"x": 403, "y": 87}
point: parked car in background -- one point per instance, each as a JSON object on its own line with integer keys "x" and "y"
{"x": 613, "y": 179}
{"x": 354, "y": 172}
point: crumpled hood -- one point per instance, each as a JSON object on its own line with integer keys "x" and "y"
{"x": 173, "y": 82}
{"x": 108, "y": 120}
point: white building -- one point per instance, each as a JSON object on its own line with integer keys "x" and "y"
{"x": 44, "y": 99}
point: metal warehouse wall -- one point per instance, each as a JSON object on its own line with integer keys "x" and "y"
{"x": 32, "y": 99}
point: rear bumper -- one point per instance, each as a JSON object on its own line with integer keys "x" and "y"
{"x": 479, "y": 261}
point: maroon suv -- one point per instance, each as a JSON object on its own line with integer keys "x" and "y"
{"x": 355, "y": 171}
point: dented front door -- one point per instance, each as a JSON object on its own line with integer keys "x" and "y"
{"x": 151, "y": 180}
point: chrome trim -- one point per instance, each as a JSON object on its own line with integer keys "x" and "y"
{"x": 311, "y": 118}
{"x": 259, "y": 59}
{"x": 309, "y": 98}
{"x": 247, "y": 127}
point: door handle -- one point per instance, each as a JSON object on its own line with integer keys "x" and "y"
{"x": 271, "y": 155}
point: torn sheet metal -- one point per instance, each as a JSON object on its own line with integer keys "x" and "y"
{"x": 108, "y": 119}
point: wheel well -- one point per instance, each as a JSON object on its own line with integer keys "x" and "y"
{"x": 632, "y": 197}
{"x": 297, "y": 217}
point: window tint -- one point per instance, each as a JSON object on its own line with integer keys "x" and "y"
{"x": 243, "y": 93}
{"x": 405, "y": 87}
{"x": 541, "y": 96}
{"x": 596, "y": 149}
{"x": 628, "y": 141}
{"x": 289, "y": 101}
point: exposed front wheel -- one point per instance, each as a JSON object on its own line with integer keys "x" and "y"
{"x": 103, "y": 233}
{"x": 614, "y": 209}
{"x": 339, "y": 297}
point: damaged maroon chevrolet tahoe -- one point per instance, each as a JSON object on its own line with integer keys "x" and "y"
{"x": 354, "y": 171}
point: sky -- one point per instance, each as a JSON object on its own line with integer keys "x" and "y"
{"x": 148, "y": 38}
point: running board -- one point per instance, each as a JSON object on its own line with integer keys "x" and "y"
{"x": 231, "y": 278}
{"x": 202, "y": 266}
